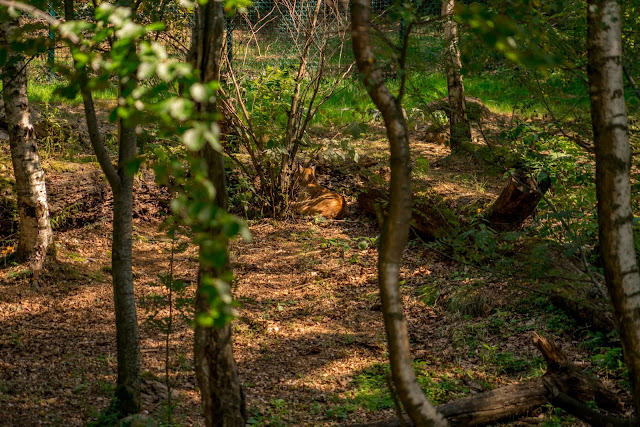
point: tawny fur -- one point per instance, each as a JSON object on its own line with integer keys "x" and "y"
{"x": 314, "y": 199}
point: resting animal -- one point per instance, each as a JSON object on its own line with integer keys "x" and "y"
{"x": 314, "y": 199}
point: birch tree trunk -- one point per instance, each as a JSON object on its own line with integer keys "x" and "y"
{"x": 222, "y": 398}
{"x": 35, "y": 239}
{"x": 613, "y": 162}
{"x": 458, "y": 122}
{"x": 395, "y": 229}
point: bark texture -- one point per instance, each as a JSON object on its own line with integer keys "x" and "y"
{"x": 222, "y": 398}
{"x": 35, "y": 239}
{"x": 613, "y": 162}
{"x": 127, "y": 336}
{"x": 395, "y": 230}
{"x": 458, "y": 121}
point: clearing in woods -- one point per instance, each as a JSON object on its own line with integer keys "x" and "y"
{"x": 309, "y": 339}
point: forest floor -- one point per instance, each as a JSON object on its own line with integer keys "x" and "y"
{"x": 309, "y": 340}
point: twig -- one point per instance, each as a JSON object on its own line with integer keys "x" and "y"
{"x": 580, "y": 143}
{"x": 632, "y": 82}
{"x": 583, "y": 256}
{"x": 169, "y": 327}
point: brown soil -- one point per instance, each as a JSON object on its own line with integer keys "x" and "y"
{"x": 309, "y": 330}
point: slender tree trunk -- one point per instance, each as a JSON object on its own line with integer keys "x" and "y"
{"x": 128, "y": 340}
{"x": 613, "y": 162}
{"x": 458, "y": 121}
{"x": 69, "y": 12}
{"x": 127, "y": 336}
{"x": 395, "y": 230}
{"x": 222, "y": 398}
{"x": 35, "y": 239}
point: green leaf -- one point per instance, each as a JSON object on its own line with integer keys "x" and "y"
{"x": 134, "y": 165}
{"x": 245, "y": 233}
{"x": 205, "y": 319}
{"x": 193, "y": 139}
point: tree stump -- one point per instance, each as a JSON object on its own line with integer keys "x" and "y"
{"x": 517, "y": 202}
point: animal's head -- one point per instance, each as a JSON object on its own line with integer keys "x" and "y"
{"x": 305, "y": 176}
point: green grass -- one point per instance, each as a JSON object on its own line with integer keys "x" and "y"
{"x": 500, "y": 91}
{"x": 42, "y": 92}
{"x": 372, "y": 391}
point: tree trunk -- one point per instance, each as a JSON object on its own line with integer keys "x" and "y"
{"x": 458, "y": 121}
{"x": 222, "y": 398}
{"x": 35, "y": 239}
{"x": 613, "y": 162}
{"x": 127, "y": 336}
{"x": 395, "y": 231}
{"x": 128, "y": 386}
{"x": 69, "y": 12}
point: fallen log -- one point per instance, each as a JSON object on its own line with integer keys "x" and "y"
{"x": 587, "y": 414}
{"x": 595, "y": 313}
{"x": 491, "y": 406}
{"x": 562, "y": 379}
{"x": 568, "y": 378}
{"x": 430, "y": 218}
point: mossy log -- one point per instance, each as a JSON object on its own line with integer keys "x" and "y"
{"x": 430, "y": 219}
{"x": 595, "y": 313}
{"x": 563, "y": 378}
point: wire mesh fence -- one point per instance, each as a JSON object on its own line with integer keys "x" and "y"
{"x": 272, "y": 33}
{"x": 276, "y": 33}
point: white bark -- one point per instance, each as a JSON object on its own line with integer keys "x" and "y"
{"x": 35, "y": 234}
{"x": 613, "y": 162}
{"x": 458, "y": 121}
{"x": 395, "y": 230}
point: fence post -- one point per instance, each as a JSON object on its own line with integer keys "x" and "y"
{"x": 229, "y": 40}
{"x": 52, "y": 51}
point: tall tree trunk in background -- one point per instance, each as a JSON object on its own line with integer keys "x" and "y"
{"x": 613, "y": 162}
{"x": 35, "y": 239}
{"x": 216, "y": 371}
{"x": 458, "y": 121}
{"x": 69, "y": 12}
{"x": 127, "y": 336}
{"x": 395, "y": 230}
